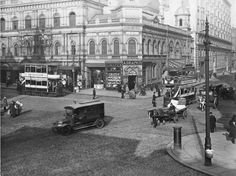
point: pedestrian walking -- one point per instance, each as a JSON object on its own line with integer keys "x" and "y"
{"x": 122, "y": 91}
{"x": 212, "y": 122}
{"x": 94, "y": 93}
{"x": 154, "y": 118}
{"x": 232, "y": 129}
{"x": 13, "y": 109}
{"x": 4, "y": 103}
{"x": 154, "y": 99}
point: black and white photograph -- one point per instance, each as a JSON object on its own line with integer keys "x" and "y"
{"x": 118, "y": 87}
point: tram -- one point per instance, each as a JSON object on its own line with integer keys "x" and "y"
{"x": 180, "y": 83}
{"x": 41, "y": 79}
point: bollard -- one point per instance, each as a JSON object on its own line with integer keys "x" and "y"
{"x": 177, "y": 138}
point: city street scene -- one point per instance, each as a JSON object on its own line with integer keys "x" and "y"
{"x": 118, "y": 87}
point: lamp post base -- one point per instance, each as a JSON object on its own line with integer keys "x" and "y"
{"x": 208, "y": 155}
{"x": 207, "y": 161}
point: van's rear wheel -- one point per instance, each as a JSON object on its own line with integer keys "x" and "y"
{"x": 100, "y": 123}
{"x": 66, "y": 130}
{"x": 185, "y": 114}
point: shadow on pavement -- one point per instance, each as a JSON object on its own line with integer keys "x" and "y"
{"x": 38, "y": 151}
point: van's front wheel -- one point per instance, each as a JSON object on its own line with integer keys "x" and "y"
{"x": 66, "y": 130}
{"x": 100, "y": 123}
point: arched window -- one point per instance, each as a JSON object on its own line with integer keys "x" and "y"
{"x": 28, "y": 48}
{"x": 154, "y": 71}
{"x": 153, "y": 47}
{"x": 57, "y": 47}
{"x": 92, "y": 48}
{"x": 158, "y": 47}
{"x": 171, "y": 47}
{"x": 163, "y": 48}
{"x": 72, "y": 19}
{"x": 42, "y": 21}
{"x": 73, "y": 49}
{"x": 2, "y": 24}
{"x": 56, "y": 20}
{"x": 180, "y": 22}
{"x": 28, "y": 22}
{"x": 16, "y": 50}
{"x": 132, "y": 47}
{"x": 148, "y": 47}
{"x": 14, "y": 23}
{"x": 104, "y": 47}
{"x": 177, "y": 50}
{"x": 116, "y": 47}
{"x": 3, "y": 50}
{"x": 143, "y": 44}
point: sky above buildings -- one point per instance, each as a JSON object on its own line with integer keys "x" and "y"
{"x": 233, "y": 13}
{"x": 176, "y": 3}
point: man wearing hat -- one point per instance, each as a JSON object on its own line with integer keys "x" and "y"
{"x": 212, "y": 122}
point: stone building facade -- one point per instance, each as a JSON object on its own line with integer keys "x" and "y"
{"x": 218, "y": 14}
{"x": 104, "y": 42}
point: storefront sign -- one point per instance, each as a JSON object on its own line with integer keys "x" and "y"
{"x": 132, "y": 62}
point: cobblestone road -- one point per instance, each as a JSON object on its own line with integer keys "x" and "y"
{"x": 128, "y": 145}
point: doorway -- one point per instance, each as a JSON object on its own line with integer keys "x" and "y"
{"x": 131, "y": 82}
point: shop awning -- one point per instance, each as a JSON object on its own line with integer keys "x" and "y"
{"x": 95, "y": 65}
{"x": 176, "y": 63}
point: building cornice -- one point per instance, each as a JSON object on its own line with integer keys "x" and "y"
{"x": 50, "y": 2}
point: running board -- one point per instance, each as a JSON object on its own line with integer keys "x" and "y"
{"x": 82, "y": 127}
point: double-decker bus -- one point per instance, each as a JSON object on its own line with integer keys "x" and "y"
{"x": 41, "y": 79}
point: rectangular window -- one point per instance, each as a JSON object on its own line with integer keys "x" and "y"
{"x": 32, "y": 69}
{"x": 33, "y": 82}
{"x": 38, "y": 69}
{"x": 15, "y": 25}
{"x": 39, "y": 83}
{"x": 27, "y": 68}
{"x": 44, "y": 83}
{"x": 43, "y": 69}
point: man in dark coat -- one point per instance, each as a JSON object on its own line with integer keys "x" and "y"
{"x": 232, "y": 128}
{"x": 154, "y": 99}
{"x": 13, "y": 109}
{"x": 94, "y": 93}
{"x": 212, "y": 122}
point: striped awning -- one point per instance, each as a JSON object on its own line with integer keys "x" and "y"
{"x": 174, "y": 63}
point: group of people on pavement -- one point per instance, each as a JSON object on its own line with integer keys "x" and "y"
{"x": 14, "y": 107}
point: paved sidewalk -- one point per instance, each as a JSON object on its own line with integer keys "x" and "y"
{"x": 192, "y": 154}
{"x": 111, "y": 93}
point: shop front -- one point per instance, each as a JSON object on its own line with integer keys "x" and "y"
{"x": 132, "y": 73}
{"x": 10, "y": 72}
{"x": 113, "y": 74}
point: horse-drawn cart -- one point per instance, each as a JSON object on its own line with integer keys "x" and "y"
{"x": 170, "y": 113}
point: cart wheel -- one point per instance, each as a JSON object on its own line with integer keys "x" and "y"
{"x": 54, "y": 130}
{"x": 175, "y": 118}
{"x": 66, "y": 130}
{"x": 185, "y": 114}
{"x": 100, "y": 123}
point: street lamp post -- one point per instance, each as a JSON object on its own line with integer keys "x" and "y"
{"x": 207, "y": 109}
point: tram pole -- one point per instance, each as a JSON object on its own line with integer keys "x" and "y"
{"x": 207, "y": 109}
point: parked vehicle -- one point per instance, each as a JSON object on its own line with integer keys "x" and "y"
{"x": 79, "y": 116}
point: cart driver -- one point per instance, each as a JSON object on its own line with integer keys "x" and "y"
{"x": 172, "y": 109}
